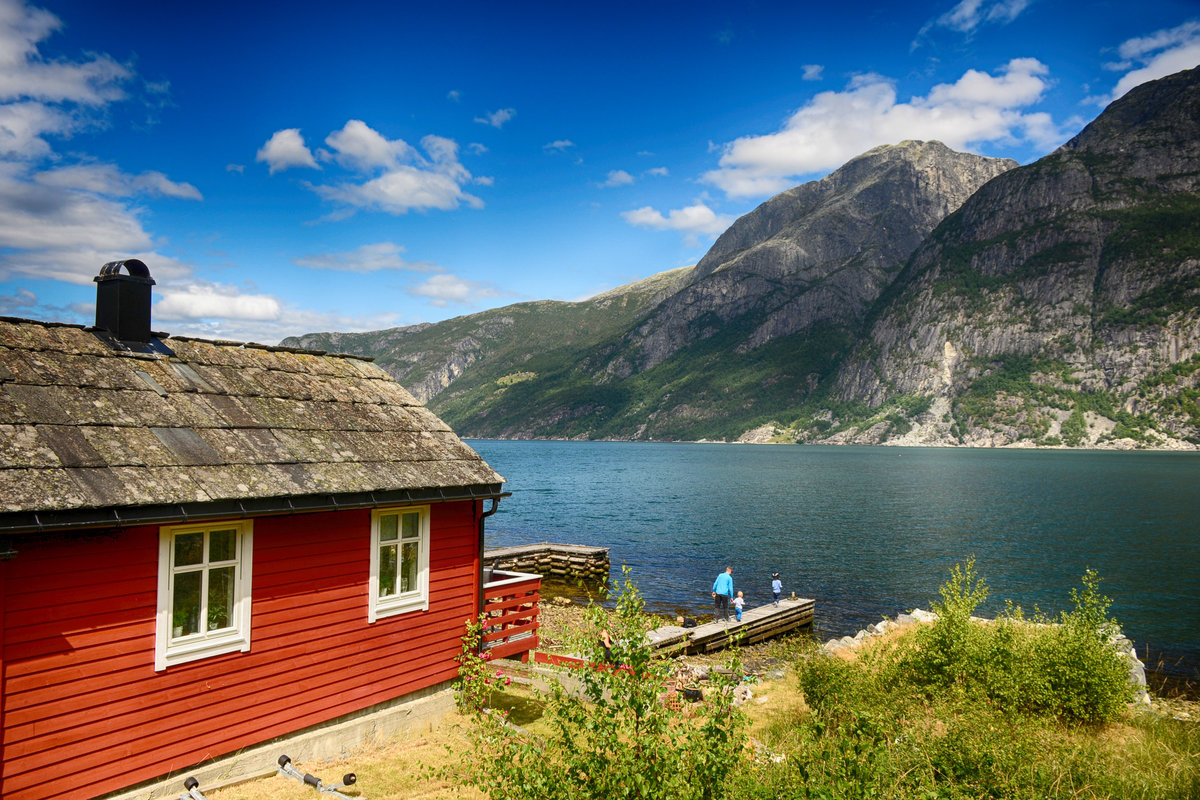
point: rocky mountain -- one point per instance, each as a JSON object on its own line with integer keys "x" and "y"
{"x": 915, "y": 295}
{"x": 818, "y": 254}
{"x": 1060, "y": 304}
{"x": 750, "y": 331}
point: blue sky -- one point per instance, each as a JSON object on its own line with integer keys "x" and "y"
{"x": 286, "y": 168}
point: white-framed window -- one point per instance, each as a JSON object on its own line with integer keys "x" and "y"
{"x": 204, "y": 582}
{"x": 399, "y": 561}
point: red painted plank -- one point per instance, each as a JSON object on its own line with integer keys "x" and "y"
{"x": 509, "y": 649}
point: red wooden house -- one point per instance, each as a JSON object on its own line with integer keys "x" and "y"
{"x": 208, "y": 545}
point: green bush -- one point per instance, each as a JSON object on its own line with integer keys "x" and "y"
{"x": 613, "y": 735}
{"x": 1069, "y": 670}
{"x": 1074, "y": 428}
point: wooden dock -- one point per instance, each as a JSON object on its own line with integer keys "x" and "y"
{"x": 757, "y": 625}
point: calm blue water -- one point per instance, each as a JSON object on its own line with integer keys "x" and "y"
{"x": 873, "y": 531}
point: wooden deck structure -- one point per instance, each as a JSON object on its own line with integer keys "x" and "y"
{"x": 554, "y": 562}
{"x": 757, "y": 625}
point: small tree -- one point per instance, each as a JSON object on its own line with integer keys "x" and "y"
{"x": 614, "y": 735}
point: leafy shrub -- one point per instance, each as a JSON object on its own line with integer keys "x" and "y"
{"x": 1068, "y": 670}
{"x": 613, "y": 736}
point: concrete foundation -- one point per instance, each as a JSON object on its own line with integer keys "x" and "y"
{"x": 417, "y": 711}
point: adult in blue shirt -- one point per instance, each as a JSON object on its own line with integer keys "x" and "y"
{"x": 722, "y": 592}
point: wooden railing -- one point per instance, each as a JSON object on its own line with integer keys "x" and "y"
{"x": 510, "y": 603}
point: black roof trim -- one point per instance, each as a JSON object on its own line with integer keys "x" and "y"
{"x": 130, "y": 516}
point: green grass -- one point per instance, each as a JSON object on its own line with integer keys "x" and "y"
{"x": 963, "y": 710}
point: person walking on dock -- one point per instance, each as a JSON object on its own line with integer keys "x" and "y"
{"x": 722, "y": 593}
{"x": 776, "y": 586}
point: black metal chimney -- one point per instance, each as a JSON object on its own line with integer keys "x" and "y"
{"x": 123, "y": 301}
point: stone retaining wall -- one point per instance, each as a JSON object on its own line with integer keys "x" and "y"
{"x": 1137, "y": 670}
{"x": 563, "y": 562}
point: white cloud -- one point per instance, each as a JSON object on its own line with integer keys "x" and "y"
{"x": 24, "y": 126}
{"x": 812, "y": 72}
{"x": 1162, "y": 53}
{"x": 454, "y": 95}
{"x": 367, "y": 258}
{"x": 442, "y": 290}
{"x": 394, "y": 176}
{"x": 657, "y": 172}
{"x": 558, "y": 145}
{"x": 40, "y": 98}
{"x": 54, "y": 219}
{"x": 836, "y": 126}
{"x": 360, "y": 147}
{"x": 476, "y": 149}
{"x": 286, "y": 149}
{"x": 107, "y": 179}
{"x": 202, "y": 300}
{"x": 484, "y": 180}
{"x": 695, "y": 220}
{"x": 969, "y": 15}
{"x": 223, "y": 311}
{"x": 238, "y": 168}
{"x": 497, "y": 118}
{"x": 13, "y": 305}
{"x": 25, "y": 74}
{"x": 617, "y": 177}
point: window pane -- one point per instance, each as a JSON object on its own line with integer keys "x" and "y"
{"x": 222, "y": 546}
{"x": 412, "y": 526}
{"x": 387, "y": 528}
{"x": 185, "y": 613}
{"x": 189, "y": 549}
{"x": 220, "y": 598}
{"x": 387, "y": 570}
{"x": 408, "y": 567}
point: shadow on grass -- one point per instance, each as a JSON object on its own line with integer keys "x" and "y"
{"x": 521, "y": 707}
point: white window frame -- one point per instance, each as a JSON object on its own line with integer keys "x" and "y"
{"x": 169, "y": 651}
{"x": 414, "y": 600}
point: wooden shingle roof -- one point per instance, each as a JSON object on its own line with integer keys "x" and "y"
{"x": 92, "y": 434}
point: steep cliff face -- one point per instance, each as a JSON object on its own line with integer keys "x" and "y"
{"x": 818, "y": 254}
{"x": 1062, "y": 294}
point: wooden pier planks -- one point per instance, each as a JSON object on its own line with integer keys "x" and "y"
{"x": 757, "y": 625}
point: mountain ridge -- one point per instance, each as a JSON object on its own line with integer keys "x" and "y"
{"x": 916, "y": 295}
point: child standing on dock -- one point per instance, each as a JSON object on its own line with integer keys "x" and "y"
{"x": 776, "y": 586}
{"x": 738, "y": 602}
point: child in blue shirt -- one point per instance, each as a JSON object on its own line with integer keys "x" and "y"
{"x": 776, "y": 586}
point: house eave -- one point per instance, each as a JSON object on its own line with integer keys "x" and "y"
{"x": 82, "y": 519}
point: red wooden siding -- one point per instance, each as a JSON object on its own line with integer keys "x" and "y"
{"x": 83, "y": 711}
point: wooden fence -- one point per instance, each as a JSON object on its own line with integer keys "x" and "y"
{"x": 510, "y": 601}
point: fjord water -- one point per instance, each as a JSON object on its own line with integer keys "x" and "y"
{"x": 871, "y": 531}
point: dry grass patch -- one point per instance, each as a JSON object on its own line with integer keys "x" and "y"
{"x": 399, "y": 769}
